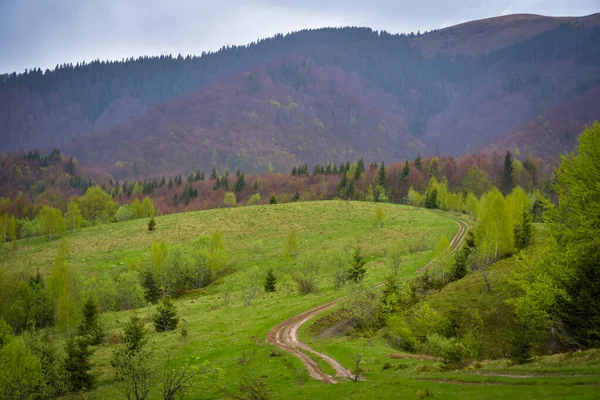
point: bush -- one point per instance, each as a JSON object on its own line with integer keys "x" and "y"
{"x": 456, "y": 355}
{"x": 400, "y": 334}
{"x": 254, "y": 199}
{"x": 306, "y": 276}
{"x": 152, "y": 224}
{"x": 124, "y": 213}
{"x": 426, "y": 321}
{"x": 437, "y": 345}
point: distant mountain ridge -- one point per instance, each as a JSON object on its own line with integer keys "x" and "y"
{"x": 313, "y": 96}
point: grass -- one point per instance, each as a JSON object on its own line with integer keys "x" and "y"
{"x": 571, "y": 375}
{"x": 222, "y": 333}
{"x": 254, "y": 236}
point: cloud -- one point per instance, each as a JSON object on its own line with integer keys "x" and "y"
{"x": 43, "y": 33}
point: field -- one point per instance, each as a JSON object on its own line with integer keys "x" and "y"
{"x": 232, "y": 336}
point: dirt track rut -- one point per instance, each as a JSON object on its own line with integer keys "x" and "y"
{"x": 285, "y": 335}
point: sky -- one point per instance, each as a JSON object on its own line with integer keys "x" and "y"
{"x": 43, "y": 33}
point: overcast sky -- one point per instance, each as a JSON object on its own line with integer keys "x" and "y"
{"x": 43, "y": 33}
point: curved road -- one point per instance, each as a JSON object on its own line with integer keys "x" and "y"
{"x": 285, "y": 335}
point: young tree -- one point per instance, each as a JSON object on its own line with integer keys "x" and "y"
{"x": 357, "y": 269}
{"x": 62, "y": 291}
{"x": 229, "y": 199}
{"x": 78, "y": 365}
{"x": 523, "y": 230}
{"x": 340, "y": 261}
{"x": 147, "y": 207}
{"x": 495, "y": 231}
{"x": 382, "y": 176}
{"x": 134, "y": 334}
{"x": 508, "y": 175}
{"x": 249, "y": 282}
{"x": 51, "y": 221}
{"x": 273, "y": 199}
{"x": 405, "y": 171}
{"x": 135, "y": 372}
{"x": 130, "y": 293}
{"x": 290, "y": 248}
{"x": 166, "y": 318}
{"x": 305, "y": 276}
{"x": 89, "y": 324}
{"x": 396, "y": 255}
{"x": 152, "y": 224}
{"x": 442, "y": 252}
{"x": 573, "y": 250}
{"x": 379, "y": 217}
{"x": 97, "y": 206}
{"x": 176, "y": 381}
{"x": 254, "y": 199}
{"x": 20, "y": 372}
{"x": 413, "y": 197}
{"x": 73, "y": 216}
{"x": 270, "y": 281}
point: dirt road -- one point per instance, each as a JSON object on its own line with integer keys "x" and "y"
{"x": 285, "y": 335}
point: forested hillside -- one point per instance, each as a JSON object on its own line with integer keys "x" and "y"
{"x": 374, "y": 94}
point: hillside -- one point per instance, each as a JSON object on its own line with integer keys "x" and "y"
{"x": 352, "y": 92}
{"x": 485, "y": 35}
{"x": 558, "y": 128}
{"x": 252, "y": 118}
{"x": 221, "y": 330}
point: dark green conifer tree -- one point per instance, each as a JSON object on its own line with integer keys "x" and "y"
{"x": 523, "y": 230}
{"x": 166, "y": 318}
{"x": 508, "y": 175}
{"x": 382, "y": 176}
{"x": 357, "y": 269}
{"x": 152, "y": 223}
{"x": 270, "y": 281}
{"x": 405, "y": 170}
{"x": 78, "y": 366}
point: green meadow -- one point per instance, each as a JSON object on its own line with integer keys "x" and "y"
{"x": 232, "y": 336}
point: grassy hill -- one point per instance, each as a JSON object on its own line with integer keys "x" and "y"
{"x": 254, "y": 236}
{"x": 232, "y": 336}
{"x": 387, "y": 370}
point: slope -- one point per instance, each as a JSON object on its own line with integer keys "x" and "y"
{"x": 287, "y": 111}
{"x": 488, "y": 34}
{"x": 556, "y": 130}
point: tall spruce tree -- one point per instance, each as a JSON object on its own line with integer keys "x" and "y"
{"x": 357, "y": 270}
{"x": 508, "y": 174}
{"x": 270, "y": 281}
{"x": 78, "y": 365}
{"x": 382, "y": 176}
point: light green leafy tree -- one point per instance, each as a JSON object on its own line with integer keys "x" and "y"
{"x": 21, "y": 374}
{"x": 73, "y": 216}
{"x": 62, "y": 292}
{"x": 51, "y": 222}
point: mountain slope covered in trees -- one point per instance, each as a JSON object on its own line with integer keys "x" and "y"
{"x": 352, "y": 91}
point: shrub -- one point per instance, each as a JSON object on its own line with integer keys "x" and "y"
{"x": 426, "y": 321}
{"x": 400, "y": 334}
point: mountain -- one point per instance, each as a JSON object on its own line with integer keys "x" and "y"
{"x": 250, "y": 119}
{"x": 485, "y": 35}
{"x": 311, "y": 96}
{"x": 558, "y": 128}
